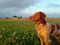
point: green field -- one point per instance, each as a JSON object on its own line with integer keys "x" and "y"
{"x": 21, "y": 32}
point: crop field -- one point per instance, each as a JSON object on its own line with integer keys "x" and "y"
{"x": 21, "y": 32}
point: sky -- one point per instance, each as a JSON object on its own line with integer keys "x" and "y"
{"x": 26, "y": 8}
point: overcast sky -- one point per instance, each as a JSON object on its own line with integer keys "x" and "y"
{"x": 25, "y": 8}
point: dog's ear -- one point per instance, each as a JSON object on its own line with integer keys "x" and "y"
{"x": 42, "y": 15}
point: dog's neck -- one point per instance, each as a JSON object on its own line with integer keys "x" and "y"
{"x": 43, "y": 22}
{"x": 40, "y": 25}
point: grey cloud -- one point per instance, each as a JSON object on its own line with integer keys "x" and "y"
{"x": 10, "y": 7}
{"x": 16, "y": 3}
{"x": 53, "y": 5}
{"x": 8, "y": 12}
{"x": 53, "y": 15}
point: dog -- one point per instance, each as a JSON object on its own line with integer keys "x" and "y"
{"x": 45, "y": 30}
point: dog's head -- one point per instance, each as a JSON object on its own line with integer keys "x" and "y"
{"x": 37, "y": 17}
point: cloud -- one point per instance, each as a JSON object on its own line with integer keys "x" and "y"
{"x": 8, "y": 12}
{"x": 53, "y": 5}
{"x": 16, "y": 3}
{"x": 53, "y": 15}
{"x": 10, "y": 7}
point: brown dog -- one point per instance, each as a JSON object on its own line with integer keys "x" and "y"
{"x": 44, "y": 29}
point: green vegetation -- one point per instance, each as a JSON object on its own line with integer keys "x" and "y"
{"x": 20, "y": 32}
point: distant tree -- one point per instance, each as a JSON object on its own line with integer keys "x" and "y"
{"x": 14, "y": 16}
{"x": 7, "y": 17}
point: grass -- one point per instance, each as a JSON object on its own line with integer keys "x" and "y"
{"x": 20, "y": 32}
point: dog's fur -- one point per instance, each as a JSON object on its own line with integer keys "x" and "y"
{"x": 44, "y": 29}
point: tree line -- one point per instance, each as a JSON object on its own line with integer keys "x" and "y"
{"x": 14, "y": 17}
